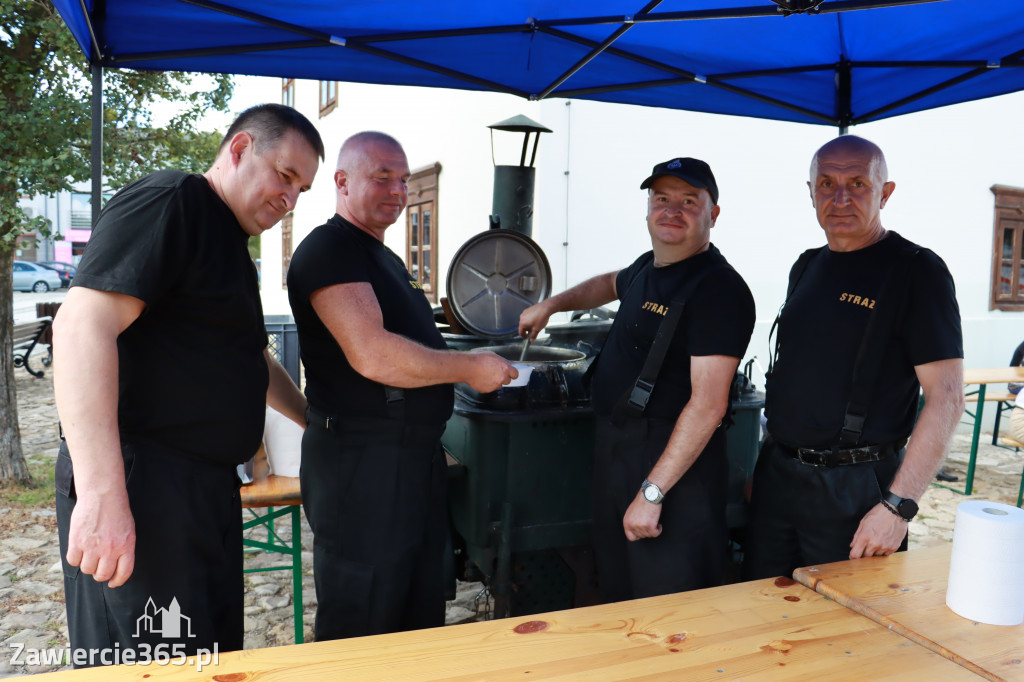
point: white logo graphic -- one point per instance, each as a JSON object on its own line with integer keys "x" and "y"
{"x": 675, "y": 164}
{"x": 166, "y": 622}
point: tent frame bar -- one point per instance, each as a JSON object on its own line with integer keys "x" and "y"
{"x": 598, "y": 49}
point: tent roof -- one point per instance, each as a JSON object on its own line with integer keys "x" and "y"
{"x": 847, "y": 62}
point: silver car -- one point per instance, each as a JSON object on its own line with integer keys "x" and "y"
{"x": 32, "y": 277}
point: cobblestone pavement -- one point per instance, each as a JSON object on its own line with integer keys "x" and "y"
{"x": 31, "y": 588}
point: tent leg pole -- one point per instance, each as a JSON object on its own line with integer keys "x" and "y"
{"x": 97, "y": 141}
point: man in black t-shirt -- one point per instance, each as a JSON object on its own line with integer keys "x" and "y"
{"x": 661, "y": 469}
{"x": 379, "y": 384}
{"x": 870, "y": 319}
{"x": 161, "y": 376}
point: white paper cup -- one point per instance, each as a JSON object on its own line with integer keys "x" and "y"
{"x": 524, "y": 376}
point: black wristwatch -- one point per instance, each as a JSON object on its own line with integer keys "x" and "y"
{"x": 903, "y": 507}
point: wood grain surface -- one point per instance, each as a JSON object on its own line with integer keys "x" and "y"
{"x": 762, "y": 630}
{"x": 906, "y": 592}
{"x": 269, "y": 491}
{"x": 995, "y": 375}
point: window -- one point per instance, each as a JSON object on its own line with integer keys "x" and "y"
{"x": 328, "y": 97}
{"x": 286, "y": 248}
{"x": 421, "y": 228}
{"x": 288, "y": 92}
{"x": 1008, "y": 249}
{"x": 81, "y": 211}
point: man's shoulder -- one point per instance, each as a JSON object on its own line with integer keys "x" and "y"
{"x": 922, "y": 258}
{"x": 329, "y": 235}
{"x": 716, "y": 269}
{"x": 167, "y": 179}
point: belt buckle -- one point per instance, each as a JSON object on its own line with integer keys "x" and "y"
{"x": 800, "y": 452}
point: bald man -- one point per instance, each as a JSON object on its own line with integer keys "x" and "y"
{"x": 869, "y": 319}
{"x": 379, "y": 385}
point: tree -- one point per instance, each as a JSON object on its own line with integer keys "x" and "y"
{"x": 45, "y": 121}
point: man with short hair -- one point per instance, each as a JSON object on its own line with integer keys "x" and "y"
{"x": 379, "y": 383}
{"x": 161, "y": 375}
{"x": 869, "y": 320}
{"x": 661, "y": 471}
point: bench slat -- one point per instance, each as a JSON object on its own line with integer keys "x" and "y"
{"x": 993, "y": 396}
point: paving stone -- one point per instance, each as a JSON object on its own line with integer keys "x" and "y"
{"x": 23, "y": 544}
{"x": 23, "y": 620}
{"x": 36, "y": 588}
{"x": 42, "y": 606}
{"x": 276, "y": 602}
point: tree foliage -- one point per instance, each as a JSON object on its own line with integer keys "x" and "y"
{"x": 45, "y": 125}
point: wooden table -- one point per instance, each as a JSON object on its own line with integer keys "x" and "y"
{"x": 906, "y": 593}
{"x": 771, "y": 629}
{"x": 279, "y": 496}
{"x": 981, "y": 378}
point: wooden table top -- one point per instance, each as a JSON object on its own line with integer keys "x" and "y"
{"x": 267, "y": 490}
{"x": 995, "y": 375}
{"x": 906, "y": 592}
{"x": 771, "y": 629}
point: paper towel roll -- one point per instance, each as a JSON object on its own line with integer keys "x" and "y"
{"x": 986, "y": 568}
{"x": 283, "y": 440}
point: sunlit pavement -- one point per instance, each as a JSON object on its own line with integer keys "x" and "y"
{"x": 25, "y": 303}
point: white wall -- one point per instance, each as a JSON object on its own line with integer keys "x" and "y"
{"x": 591, "y": 166}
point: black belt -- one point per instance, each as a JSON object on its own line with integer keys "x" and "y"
{"x": 842, "y": 456}
{"x": 376, "y": 429}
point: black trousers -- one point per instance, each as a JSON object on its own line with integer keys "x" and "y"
{"x": 803, "y": 515}
{"x": 690, "y": 553}
{"x": 375, "y": 496}
{"x": 186, "y": 590}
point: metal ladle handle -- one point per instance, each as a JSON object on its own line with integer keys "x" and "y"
{"x": 526, "y": 347}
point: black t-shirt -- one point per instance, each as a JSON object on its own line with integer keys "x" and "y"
{"x": 338, "y": 252}
{"x": 192, "y": 376}
{"x": 718, "y": 320}
{"x": 820, "y": 332}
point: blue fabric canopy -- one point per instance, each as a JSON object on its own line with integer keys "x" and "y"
{"x": 840, "y": 63}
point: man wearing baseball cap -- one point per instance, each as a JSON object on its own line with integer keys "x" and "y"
{"x": 660, "y": 390}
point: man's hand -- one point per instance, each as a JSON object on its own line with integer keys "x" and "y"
{"x": 490, "y": 372}
{"x": 533, "y": 320}
{"x": 641, "y": 519}
{"x": 101, "y": 540}
{"x": 880, "y": 533}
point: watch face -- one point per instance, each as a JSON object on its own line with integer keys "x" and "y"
{"x": 651, "y": 493}
{"x": 907, "y": 509}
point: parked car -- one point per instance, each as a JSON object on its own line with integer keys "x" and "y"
{"x": 32, "y": 277}
{"x": 65, "y": 270}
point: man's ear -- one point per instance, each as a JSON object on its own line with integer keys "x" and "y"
{"x": 341, "y": 181}
{"x": 238, "y": 145}
{"x": 810, "y": 190}
{"x": 715, "y": 210}
{"x": 887, "y": 190}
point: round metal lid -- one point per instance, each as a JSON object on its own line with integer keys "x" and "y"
{"x": 494, "y": 277}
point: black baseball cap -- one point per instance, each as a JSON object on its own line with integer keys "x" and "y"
{"x": 693, "y": 171}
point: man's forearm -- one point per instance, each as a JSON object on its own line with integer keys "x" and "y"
{"x": 928, "y": 445}
{"x": 691, "y": 434}
{"x": 942, "y": 383}
{"x": 85, "y": 383}
{"x": 282, "y": 393}
{"x": 710, "y": 378}
{"x": 395, "y": 360}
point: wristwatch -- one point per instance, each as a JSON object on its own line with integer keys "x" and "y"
{"x": 903, "y": 507}
{"x": 652, "y": 493}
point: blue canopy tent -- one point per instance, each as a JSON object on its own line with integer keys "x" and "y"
{"x": 828, "y": 62}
